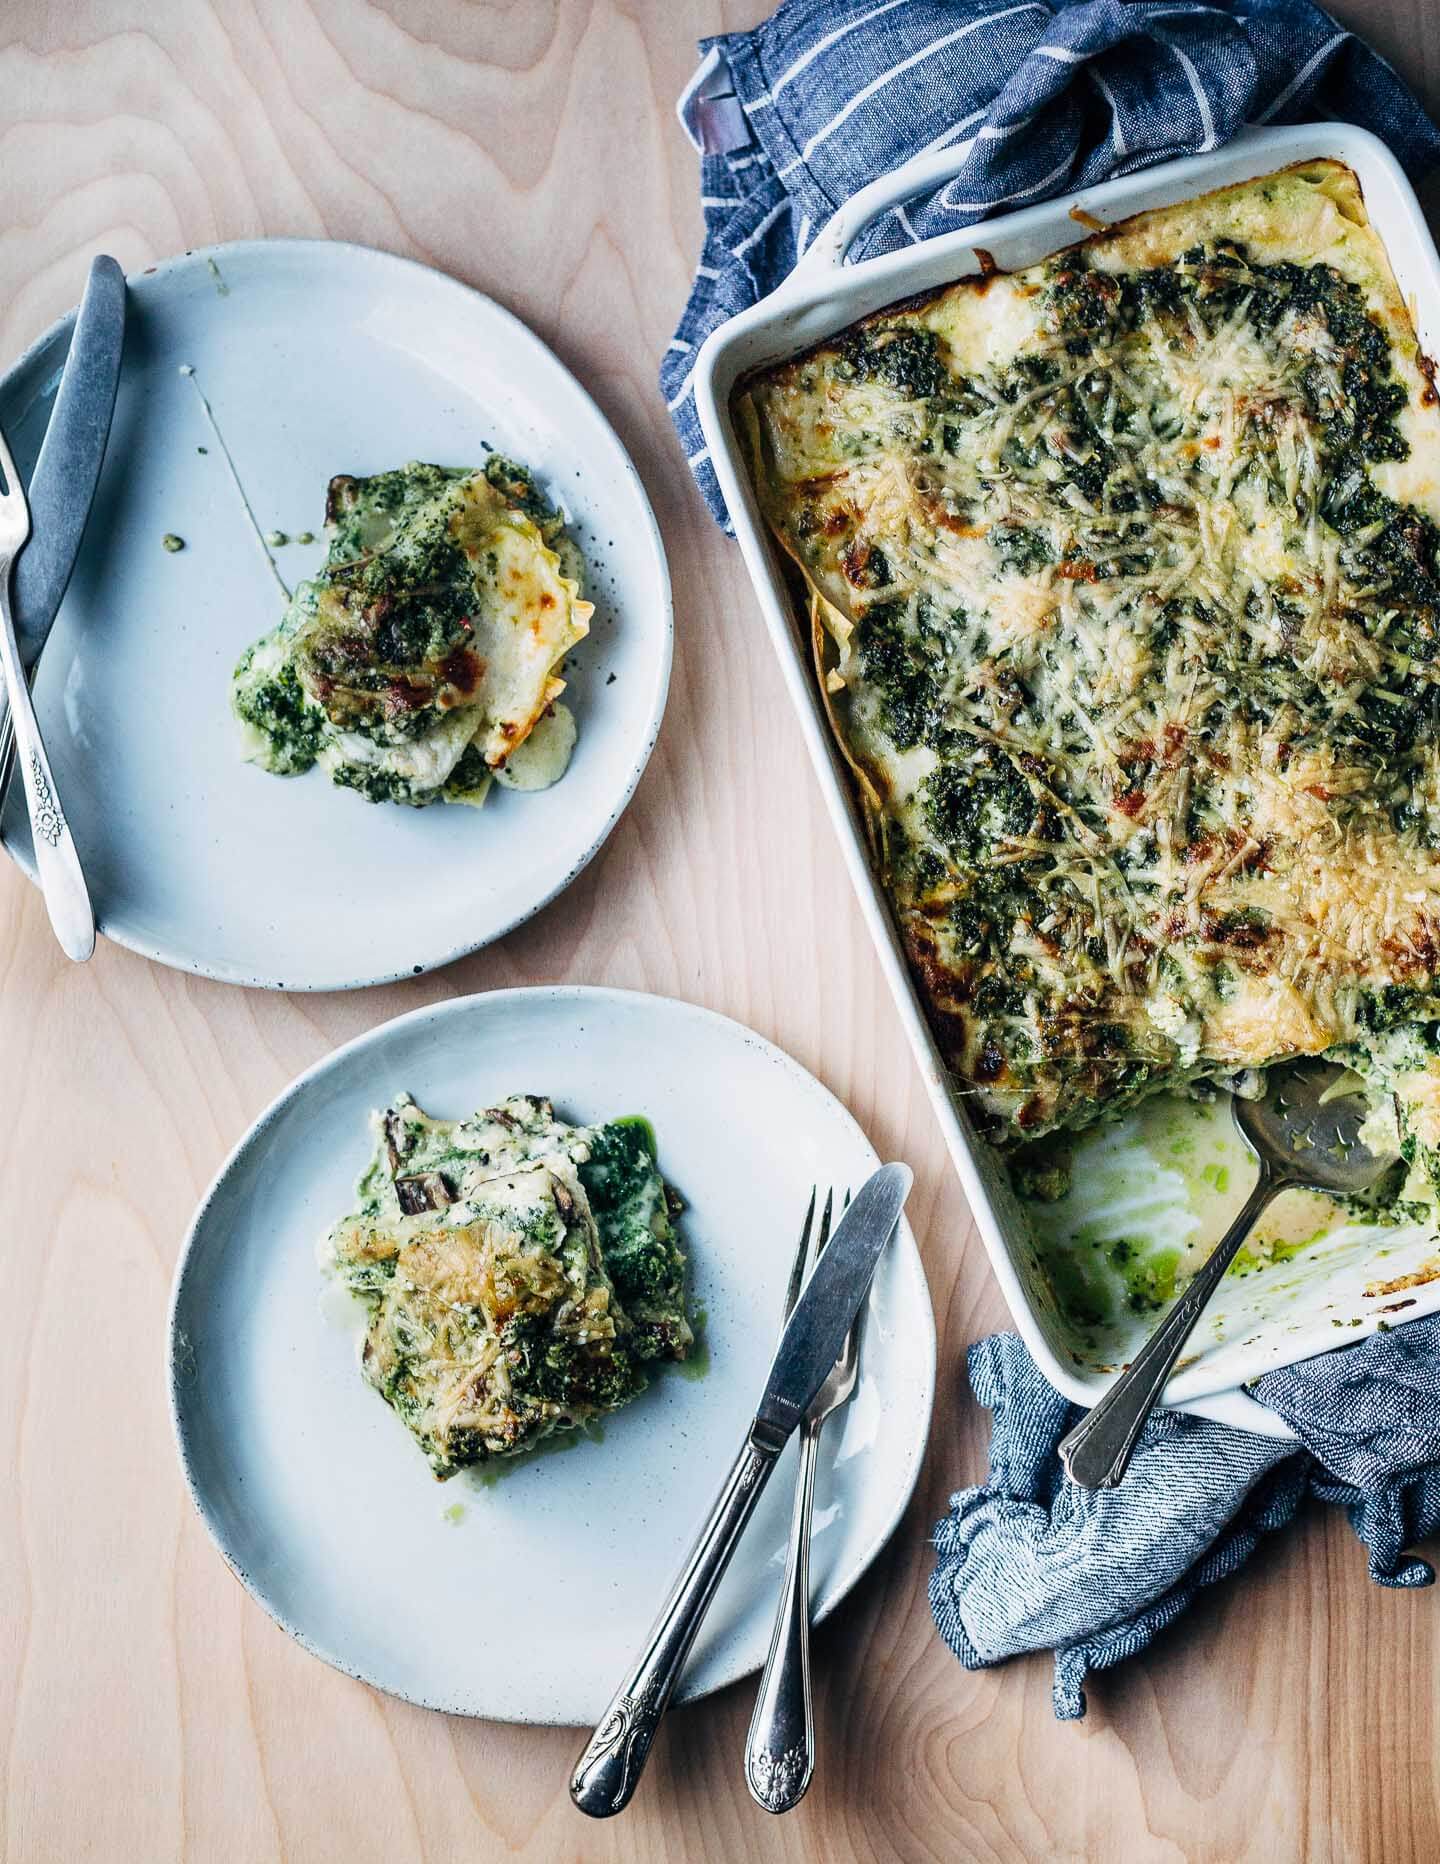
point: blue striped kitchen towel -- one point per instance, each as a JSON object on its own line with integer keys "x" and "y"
{"x": 1028, "y": 1561}
{"x": 795, "y": 116}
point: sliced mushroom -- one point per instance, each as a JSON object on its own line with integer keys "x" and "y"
{"x": 340, "y": 495}
{"x": 425, "y": 1190}
{"x": 394, "y": 1139}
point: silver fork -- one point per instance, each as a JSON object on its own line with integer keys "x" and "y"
{"x": 780, "y": 1748}
{"x": 56, "y": 863}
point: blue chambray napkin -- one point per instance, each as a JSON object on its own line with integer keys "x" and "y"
{"x": 1028, "y": 1561}
{"x": 795, "y": 116}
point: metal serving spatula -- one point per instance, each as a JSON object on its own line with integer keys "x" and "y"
{"x": 1304, "y": 1132}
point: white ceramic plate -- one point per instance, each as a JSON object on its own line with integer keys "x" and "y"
{"x": 529, "y": 1606}
{"x": 317, "y": 358}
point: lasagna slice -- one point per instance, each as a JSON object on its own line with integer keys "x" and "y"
{"x": 1122, "y": 577}
{"x": 424, "y": 659}
{"x": 520, "y": 1274}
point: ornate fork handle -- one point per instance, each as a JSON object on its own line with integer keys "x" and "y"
{"x": 56, "y": 862}
{"x": 780, "y": 1748}
{"x": 608, "y": 1771}
{"x": 7, "y": 744}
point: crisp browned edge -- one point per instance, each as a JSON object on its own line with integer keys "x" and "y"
{"x": 989, "y": 271}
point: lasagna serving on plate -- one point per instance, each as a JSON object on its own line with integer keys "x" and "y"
{"x": 1123, "y": 587}
{"x": 423, "y": 661}
{"x": 520, "y": 1274}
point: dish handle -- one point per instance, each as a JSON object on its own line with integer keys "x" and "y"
{"x": 826, "y": 252}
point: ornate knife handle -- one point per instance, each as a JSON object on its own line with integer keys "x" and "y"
{"x": 608, "y": 1771}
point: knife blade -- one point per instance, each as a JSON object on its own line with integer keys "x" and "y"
{"x": 609, "y": 1769}
{"x": 62, "y": 486}
{"x": 828, "y": 1303}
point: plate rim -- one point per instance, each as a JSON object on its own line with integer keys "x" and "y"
{"x": 578, "y": 994}
{"x": 34, "y": 359}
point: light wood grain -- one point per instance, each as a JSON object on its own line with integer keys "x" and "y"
{"x": 148, "y": 1710}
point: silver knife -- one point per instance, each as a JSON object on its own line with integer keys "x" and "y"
{"x": 62, "y": 486}
{"x": 606, "y": 1774}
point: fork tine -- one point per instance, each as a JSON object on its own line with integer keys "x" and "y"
{"x": 825, "y": 1216}
{"x": 797, "y": 1271}
{"x": 7, "y": 466}
{"x": 14, "y": 507}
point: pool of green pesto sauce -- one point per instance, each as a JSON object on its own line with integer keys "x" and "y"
{"x": 485, "y": 1475}
{"x": 1149, "y": 1197}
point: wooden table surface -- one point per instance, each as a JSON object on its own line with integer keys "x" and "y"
{"x": 149, "y": 1710}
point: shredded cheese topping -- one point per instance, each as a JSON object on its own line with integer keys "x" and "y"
{"x": 1123, "y": 575}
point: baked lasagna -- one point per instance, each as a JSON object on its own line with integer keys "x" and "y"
{"x": 520, "y": 1274}
{"x": 1121, "y": 576}
{"x": 423, "y": 661}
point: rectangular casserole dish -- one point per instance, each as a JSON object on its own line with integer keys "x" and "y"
{"x": 1135, "y": 1175}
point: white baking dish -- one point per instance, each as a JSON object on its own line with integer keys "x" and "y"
{"x": 1318, "y": 1298}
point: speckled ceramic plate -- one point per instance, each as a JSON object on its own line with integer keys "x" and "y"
{"x": 316, "y": 358}
{"x": 525, "y": 1599}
